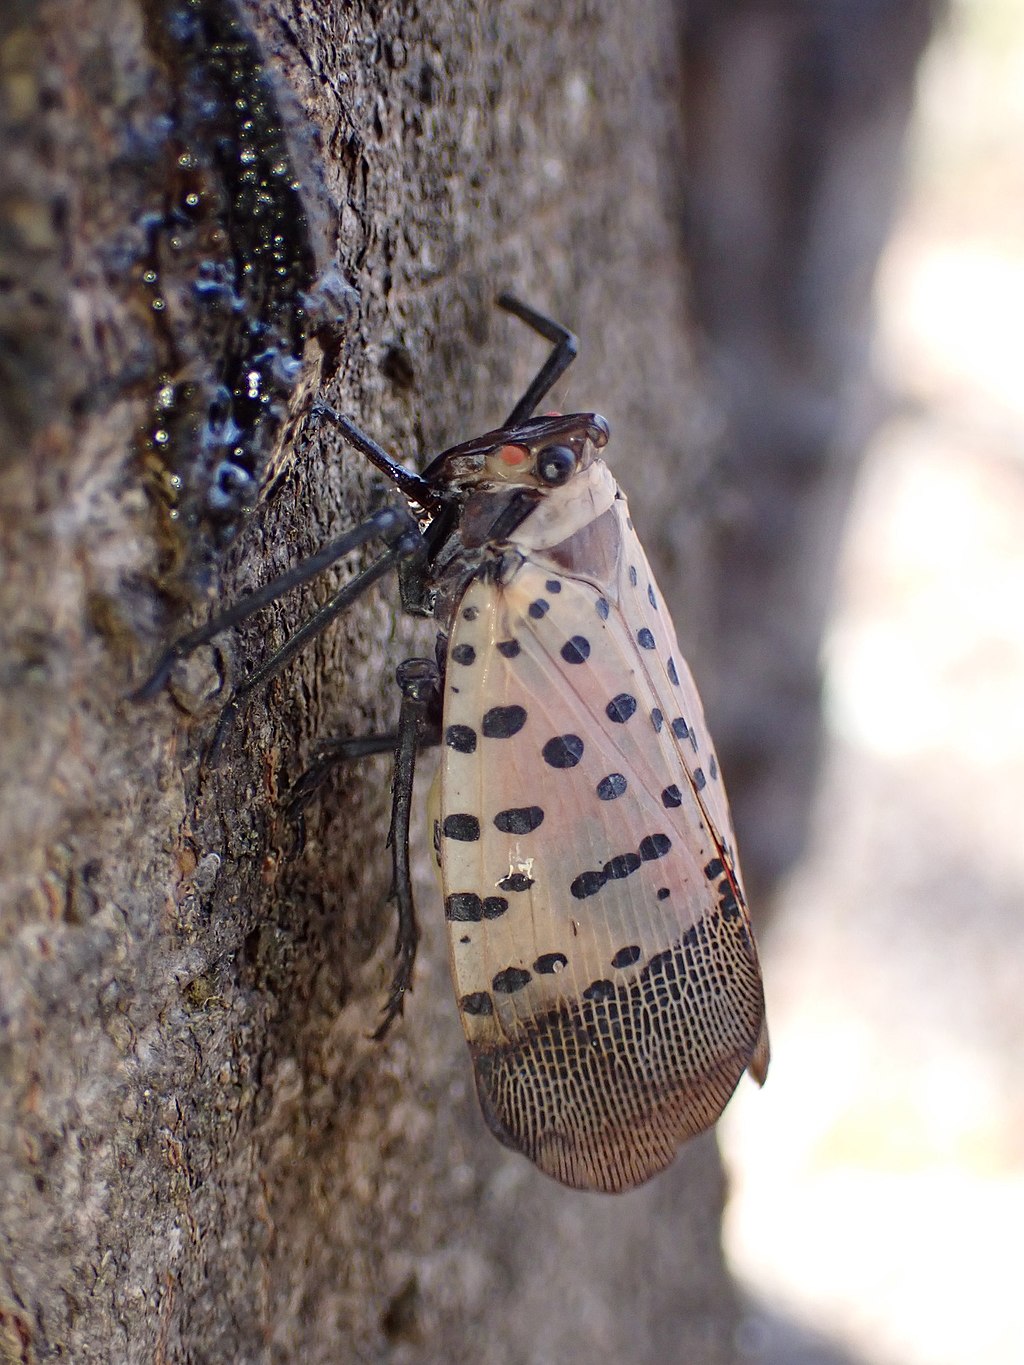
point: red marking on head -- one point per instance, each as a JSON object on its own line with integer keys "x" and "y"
{"x": 513, "y": 455}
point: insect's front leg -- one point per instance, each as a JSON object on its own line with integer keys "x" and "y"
{"x": 561, "y": 357}
{"x": 420, "y": 681}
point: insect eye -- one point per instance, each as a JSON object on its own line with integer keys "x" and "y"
{"x": 556, "y": 464}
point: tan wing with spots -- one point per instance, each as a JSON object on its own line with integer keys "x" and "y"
{"x": 599, "y": 941}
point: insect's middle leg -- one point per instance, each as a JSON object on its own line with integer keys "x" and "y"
{"x": 395, "y": 525}
{"x": 406, "y": 545}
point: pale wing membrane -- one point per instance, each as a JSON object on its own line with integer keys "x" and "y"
{"x": 674, "y": 686}
{"x": 680, "y": 702}
{"x": 610, "y": 1000}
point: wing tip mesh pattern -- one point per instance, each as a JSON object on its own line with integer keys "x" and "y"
{"x": 600, "y": 1094}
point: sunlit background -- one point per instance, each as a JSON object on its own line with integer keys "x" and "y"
{"x": 879, "y": 1177}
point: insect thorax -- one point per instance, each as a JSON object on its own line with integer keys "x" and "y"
{"x": 575, "y": 529}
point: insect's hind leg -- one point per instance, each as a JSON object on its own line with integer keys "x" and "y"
{"x": 333, "y": 753}
{"x": 564, "y": 353}
{"x": 330, "y": 754}
{"x": 420, "y": 682}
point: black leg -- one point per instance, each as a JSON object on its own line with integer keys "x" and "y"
{"x": 553, "y": 368}
{"x": 331, "y": 754}
{"x": 395, "y": 525}
{"x": 406, "y": 545}
{"x": 419, "y": 680}
{"x": 414, "y": 487}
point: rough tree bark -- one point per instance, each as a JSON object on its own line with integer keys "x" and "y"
{"x": 204, "y": 1157}
{"x": 209, "y": 211}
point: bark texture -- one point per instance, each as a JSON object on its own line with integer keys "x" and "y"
{"x": 203, "y": 1156}
{"x": 208, "y": 212}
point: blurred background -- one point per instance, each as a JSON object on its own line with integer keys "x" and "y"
{"x": 878, "y": 1180}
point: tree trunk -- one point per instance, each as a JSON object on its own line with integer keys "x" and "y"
{"x": 209, "y": 213}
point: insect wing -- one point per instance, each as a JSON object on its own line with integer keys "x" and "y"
{"x": 681, "y": 714}
{"x": 608, "y": 983}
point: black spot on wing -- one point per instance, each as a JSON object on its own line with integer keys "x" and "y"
{"x": 728, "y": 904}
{"x": 461, "y": 738}
{"x": 510, "y": 980}
{"x": 470, "y": 613}
{"x": 657, "y": 720}
{"x": 680, "y": 728}
{"x": 538, "y": 609}
{"x": 599, "y": 990}
{"x": 553, "y": 585}
{"x": 714, "y": 869}
{"x": 654, "y": 846}
{"x": 478, "y": 1002}
{"x": 516, "y": 881}
{"x": 464, "y": 654}
{"x": 549, "y": 963}
{"x": 673, "y": 675}
{"x": 620, "y": 708}
{"x": 623, "y": 865}
{"x": 576, "y": 650}
{"x": 672, "y": 796}
{"x": 519, "y": 819}
{"x": 611, "y": 787}
{"x": 564, "y": 751}
{"x": 466, "y": 907}
{"x": 644, "y": 638}
{"x": 465, "y": 828}
{"x": 509, "y": 648}
{"x": 502, "y": 722}
{"x": 602, "y": 608}
{"x": 587, "y": 884}
{"x": 651, "y": 597}
{"x": 625, "y": 957}
{"x": 699, "y": 780}
{"x": 615, "y": 869}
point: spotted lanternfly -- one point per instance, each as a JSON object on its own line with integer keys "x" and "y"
{"x": 598, "y": 933}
